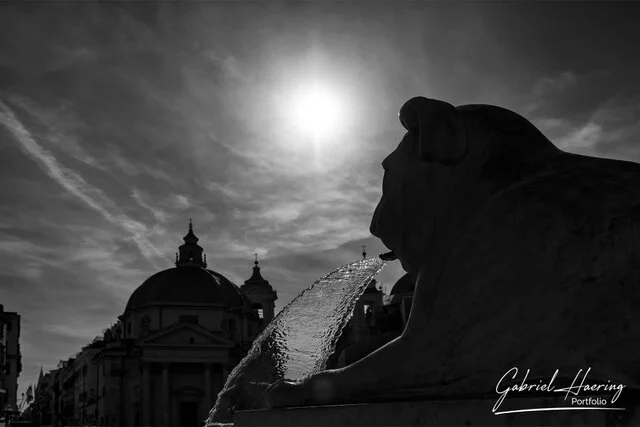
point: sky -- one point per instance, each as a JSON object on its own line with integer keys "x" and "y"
{"x": 120, "y": 121}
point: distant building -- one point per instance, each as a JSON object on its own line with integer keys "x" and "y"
{"x": 168, "y": 355}
{"x": 10, "y": 361}
{"x": 377, "y": 319}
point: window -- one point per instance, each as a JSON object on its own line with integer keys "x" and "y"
{"x": 129, "y": 329}
{"x": 258, "y": 308}
{"x": 191, "y": 340}
{"x": 189, "y": 319}
{"x": 232, "y": 326}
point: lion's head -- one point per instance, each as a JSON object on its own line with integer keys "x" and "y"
{"x": 449, "y": 163}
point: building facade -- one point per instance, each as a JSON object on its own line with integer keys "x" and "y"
{"x": 10, "y": 362}
{"x": 168, "y": 355}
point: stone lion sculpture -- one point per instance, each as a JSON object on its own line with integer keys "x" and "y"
{"x": 524, "y": 256}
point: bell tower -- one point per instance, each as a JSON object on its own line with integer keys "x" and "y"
{"x": 261, "y": 294}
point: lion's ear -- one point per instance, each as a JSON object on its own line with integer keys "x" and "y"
{"x": 439, "y": 129}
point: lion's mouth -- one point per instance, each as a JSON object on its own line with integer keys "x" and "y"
{"x": 388, "y": 256}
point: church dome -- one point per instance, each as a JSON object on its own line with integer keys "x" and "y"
{"x": 189, "y": 282}
{"x": 187, "y": 285}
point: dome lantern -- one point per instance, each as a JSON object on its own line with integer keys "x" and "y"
{"x": 190, "y": 253}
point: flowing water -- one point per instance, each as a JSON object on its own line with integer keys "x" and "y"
{"x": 299, "y": 340}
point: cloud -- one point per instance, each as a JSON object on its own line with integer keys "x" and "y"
{"x": 70, "y": 56}
{"x": 32, "y": 257}
{"x": 557, "y": 83}
{"x": 229, "y": 65}
{"x": 179, "y": 201}
{"x": 282, "y": 212}
{"x": 86, "y": 275}
{"x": 612, "y": 129}
{"x": 582, "y": 138}
{"x": 547, "y": 89}
{"x": 157, "y": 213}
{"x": 307, "y": 216}
{"x": 75, "y": 183}
{"x": 61, "y": 123}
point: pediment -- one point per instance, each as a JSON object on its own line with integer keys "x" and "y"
{"x": 181, "y": 334}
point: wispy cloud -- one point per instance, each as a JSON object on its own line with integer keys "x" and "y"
{"x": 179, "y": 201}
{"x": 546, "y": 89}
{"x": 157, "y": 213}
{"x": 76, "y": 185}
{"x": 612, "y": 129}
{"x": 61, "y": 123}
{"x": 583, "y": 138}
{"x": 559, "y": 82}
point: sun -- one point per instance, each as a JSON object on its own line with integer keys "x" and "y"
{"x": 317, "y": 110}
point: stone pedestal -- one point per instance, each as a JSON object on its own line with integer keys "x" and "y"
{"x": 472, "y": 412}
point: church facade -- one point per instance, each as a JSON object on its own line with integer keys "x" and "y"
{"x": 168, "y": 355}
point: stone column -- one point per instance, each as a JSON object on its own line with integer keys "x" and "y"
{"x": 207, "y": 386}
{"x": 165, "y": 395}
{"x": 174, "y": 410}
{"x": 146, "y": 394}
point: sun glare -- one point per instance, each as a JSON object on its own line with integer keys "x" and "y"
{"x": 317, "y": 111}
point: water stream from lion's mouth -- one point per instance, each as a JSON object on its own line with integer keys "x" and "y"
{"x": 300, "y": 339}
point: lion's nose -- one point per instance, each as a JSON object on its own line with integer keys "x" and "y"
{"x": 372, "y": 227}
